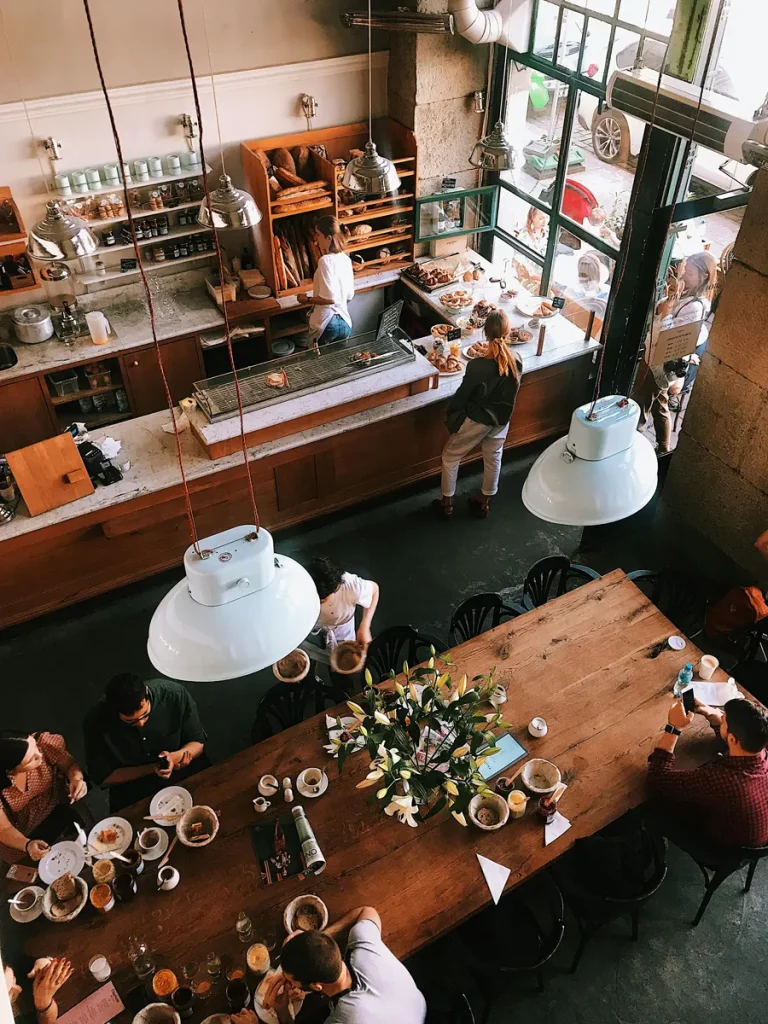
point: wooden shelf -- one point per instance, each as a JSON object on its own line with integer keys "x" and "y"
{"x": 85, "y": 393}
{"x": 375, "y": 202}
{"x": 278, "y": 213}
{"x": 105, "y": 190}
{"x": 404, "y": 160}
{"x": 157, "y": 239}
{"x": 289, "y": 329}
{"x": 111, "y": 275}
{"x": 373, "y": 242}
{"x": 384, "y": 263}
{"x": 19, "y": 291}
{"x": 97, "y": 222}
{"x": 21, "y": 234}
{"x": 358, "y": 217}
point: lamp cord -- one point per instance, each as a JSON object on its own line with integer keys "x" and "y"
{"x": 220, "y": 263}
{"x": 213, "y": 86}
{"x": 147, "y": 289}
{"x": 370, "y": 78}
{"x": 504, "y": 27}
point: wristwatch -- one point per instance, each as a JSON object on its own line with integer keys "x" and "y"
{"x": 671, "y": 729}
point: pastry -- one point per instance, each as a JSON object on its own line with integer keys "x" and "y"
{"x": 65, "y": 887}
{"x": 458, "y": 299}
{"x": 302, "y": 159}
{"x": 361, "y": 230}
{"x": 441, "y": 330}
{"x": 107, "y": 836}
{"x": 478, "y": 350}
{"x": 361, "y": 357}
{"x": 545, "y": 309}
{"x": 277, "y": 379}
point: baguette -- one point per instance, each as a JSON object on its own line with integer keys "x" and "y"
{"x": 308, "y": 186}
{"x": 280, "y": 275}
{"x": 310, "y": 204}
{"x": 288, "y": 177}
{"x": 302, "y": 197}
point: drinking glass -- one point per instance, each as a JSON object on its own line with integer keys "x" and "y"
{"x": 141, "y": 956}
{"x": 213, "y": 964}
{"x": 189, "y": 970}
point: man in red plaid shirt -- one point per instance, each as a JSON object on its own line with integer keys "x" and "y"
{"x": 725, "y": 800}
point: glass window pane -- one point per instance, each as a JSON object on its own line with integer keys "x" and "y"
{"x": 523, "y": 221}
{"x": 740, "y": 67}
{"x": 596, "y": 49}
{"x": 602, "y": 6}
{"x": 636, "y": 11}
{"x": 569, "y": 43}
{"x": 625, "y": 47}
{"x": 512, "y": 262}
{"x": 535, "y": 114}
{"x": 713, "y": 174}
{"x": 546, "y": 30}
{"x": 601, "y": 168}
{"x": 583, "y": 277}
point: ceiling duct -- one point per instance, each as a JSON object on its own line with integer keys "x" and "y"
{"x": 507, "y": 23}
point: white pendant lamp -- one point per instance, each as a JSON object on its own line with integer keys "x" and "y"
{"x": 231, "y": 208}
{"x": 371, "y": 174}
{"x": 603, "y": 471}
{"x": 240, "y": 609}
{"x": 60, "y": 236}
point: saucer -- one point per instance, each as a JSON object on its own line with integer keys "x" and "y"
{"x": 304, "y": 789}
{"x": 25, "y": 916}
{"x": 158, "y": 851}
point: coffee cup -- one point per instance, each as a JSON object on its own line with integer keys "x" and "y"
{"x": 26, "y": 899}
{"x": 268, "y": 785}
{"x": 167, "y": 878}
{"x": 708, "y": 666}
{"x": 517, "y": 803}
{"x": 537, "y": 727}
{"x": 133, "y": 861}
{"x": 149, "y": 840}
{"x": 260, "y": 804}
{"x": 313, "y": 779}
{"x": 183, "y": 1001}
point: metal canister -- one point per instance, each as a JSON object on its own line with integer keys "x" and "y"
{"x": 32, "y": 324}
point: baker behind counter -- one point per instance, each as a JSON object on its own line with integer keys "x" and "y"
{"x": 333, "y": 286}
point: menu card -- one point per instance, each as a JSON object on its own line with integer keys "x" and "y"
{"x": 97, "y": 1008}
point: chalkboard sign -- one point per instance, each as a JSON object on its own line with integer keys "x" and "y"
{"x": 390, "y": 319}
{"x": 558, "y": 302}
{"x": 454, "y": 334}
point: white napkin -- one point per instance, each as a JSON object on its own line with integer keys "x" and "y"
{"x": 716, "y": 694}
{"x": 555, "y": 828}
{"x": 496, "y": 876}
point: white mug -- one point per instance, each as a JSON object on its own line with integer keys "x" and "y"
{"x": 149, "y": 840}
{"x": 268, "y": 785}
{"x": 313, "y": 779}
{"x": 708, "y": 666}
{"x": 260, "y": 804}
{"x": 167, "y": 878}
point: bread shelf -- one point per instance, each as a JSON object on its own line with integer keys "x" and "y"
{"x": 375, "y": 202}
{"x": 373, "y": 241}
{"x": 385, "y": 262}
{"x": 295, "y": 326}
{"x": 278, "y": 213}
{"x": 374, "y": 214}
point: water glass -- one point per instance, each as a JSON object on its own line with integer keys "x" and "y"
{"x": 213, "y": 964}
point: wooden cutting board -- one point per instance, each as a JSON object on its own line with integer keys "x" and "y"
{"x": 50, "y": 473}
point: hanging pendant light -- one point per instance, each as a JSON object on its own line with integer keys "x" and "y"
{"x": 241, "y": 608}
{"x": 603, "y": 471}
{"x": 371, "y": 174}
{"x": 231, "y": 208}
{"x": 494, "y": 152}
{"x": 60, "y": 236}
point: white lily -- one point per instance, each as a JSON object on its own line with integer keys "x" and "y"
{"x": 414, "y": 693}
{"x": 355, "y": 709}
{"x": 450, "y": 787}
{"x": 400, "y": 689}
{"x": 461, "y": 751}
{"x": 460, "y": 818}
{"x": 403, "y": 808}
{"x": 381, "y": 718}
{"x": 463, "y": 685}
{"x": 367, "y": 782}
{"x": 454, "y": 697}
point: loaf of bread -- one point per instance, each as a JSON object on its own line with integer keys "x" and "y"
{"x": 302, "y": 159}
{"x": 361, "y": 230}
{"x": 286, "y": 177}
{"x": 264, "y": 160}
{"x": 282, "y": 158}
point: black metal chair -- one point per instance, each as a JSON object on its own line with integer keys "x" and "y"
{"x": 478, "y": 613}
{"x": 287, "y": 704}
{"x": 391, "y": 647}
{"x": 717, "y": 865}
{"x": 515, "y": 938}
{"x": 593, "y": 910}
{"x": 553, "y": 576}
{"x": 680, "y": 597}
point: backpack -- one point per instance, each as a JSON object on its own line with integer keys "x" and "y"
{"x": 739, "y": 609}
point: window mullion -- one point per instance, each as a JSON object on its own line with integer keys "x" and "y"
{"x": 560, "y": 176}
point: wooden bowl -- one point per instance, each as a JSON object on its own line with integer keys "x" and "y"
{"x": 294, "y": 908}
{"x": 206, "y": 816}
{"x": 341, "y": 657}
{"x": 541, "y": 777}
{"x": 489, "y": 803}
{"x": 157, "y": 1013}
{"x": 299, "y": 656}
{"x": 82, "y": 887}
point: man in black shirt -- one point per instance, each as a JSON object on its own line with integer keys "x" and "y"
{"x": 140, "y": 735}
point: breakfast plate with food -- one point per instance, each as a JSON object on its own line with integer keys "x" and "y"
{"x": 445, "y": 357}
{"x": 459, "y": 298}
{"x": 475, "y": 350}
{"x": 169, "y": 804}
{"x": 111, "y": 835}
{"x": 535, "y": 305}
{"x": 440, "y": 332}
{"x": 62, "y": 857}
{"x": 519, "y": 336}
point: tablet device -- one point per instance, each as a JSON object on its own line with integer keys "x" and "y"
{"x": 510, "y": 752}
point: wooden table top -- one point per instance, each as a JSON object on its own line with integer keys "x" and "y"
{"x": 582, "y": 662}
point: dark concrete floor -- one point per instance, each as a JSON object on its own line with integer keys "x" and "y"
{"x": 56, "y": 667}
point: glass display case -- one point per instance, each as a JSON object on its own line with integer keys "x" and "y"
{"x": 467, "y": 211}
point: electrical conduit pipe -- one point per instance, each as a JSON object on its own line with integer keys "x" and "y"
{"x": 486, "y": 26}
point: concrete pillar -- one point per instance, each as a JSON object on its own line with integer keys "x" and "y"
{"x": 431, "y": 81}
{"x": 718, "y": 477}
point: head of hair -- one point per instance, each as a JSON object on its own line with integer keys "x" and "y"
{"x": 748, "y": 723}
{"x": 325, "y": 575}
{"x": 126, "y": 693}
{"x": 706, "y": 264}
{"x": 312, "y": 958}
{"x": 330, "y": 228}
{"x": 496, "y": 334}
{"x": 13, "y": 749}
{"x": 530, "y": 221}
{"x": 590, "y": 269}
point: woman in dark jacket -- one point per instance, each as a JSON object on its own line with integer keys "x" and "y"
{"x": 479, "y": 414}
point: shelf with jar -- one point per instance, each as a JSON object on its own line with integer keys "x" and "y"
{"x": 93, "y": 394}
{"x": 173, "y": 254}
{"x": 297, "y": 178}
{"x": 153, "y": 230}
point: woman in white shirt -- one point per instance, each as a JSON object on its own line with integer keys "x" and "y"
{"x": 333, "y": 286}
{"x": 340, "y": 593}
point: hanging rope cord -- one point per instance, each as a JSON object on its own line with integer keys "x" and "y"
{"x": 633, "y": 202}
{"x": 220, "y": 263}
{"x": 147, "y": 289}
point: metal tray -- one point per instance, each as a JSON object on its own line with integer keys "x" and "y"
{"x": 307, "y": 373}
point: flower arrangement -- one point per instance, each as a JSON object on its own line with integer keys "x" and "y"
{"x": 426, "y": 740}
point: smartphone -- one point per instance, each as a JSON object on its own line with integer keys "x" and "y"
{"x": 689, "y": 699}
{"x": 22, "y": 873}
{"x": 510, "y": 752}
{"x": 163, "y": 762}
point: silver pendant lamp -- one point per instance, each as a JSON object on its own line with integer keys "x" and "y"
{"x": 60, "y": 236}
{"x": 494, "y": 152}
{"x": 371, "y": 174}
{"x": 231, "y": 208}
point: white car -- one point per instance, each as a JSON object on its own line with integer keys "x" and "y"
{"x": 617, "y": 136}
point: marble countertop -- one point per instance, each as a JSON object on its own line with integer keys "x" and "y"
{"x": 182, "y": 306}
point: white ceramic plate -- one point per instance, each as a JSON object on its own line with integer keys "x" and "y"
{"x": 124, "y": 831}
{"x": 304, "y": 789}
{"x": 83, "y": 899}
{"x": 467, "y": 346}
{"x": 25, "y": 916}
{"x": 158, "y": 851}
{"x": 62, "y": 857}
{"x": 528, "y": 304}
{"x": 170, "y": 801}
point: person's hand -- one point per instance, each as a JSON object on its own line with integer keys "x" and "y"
{"x": 77, "y": 787}
{"x": 678, "y": 716}
{"x": 244, "y": 1017}
{"x": 47, "y": 982}
{"x": 37, "y": 849}
{"x": 303, "y": 298}
{"x": 364, "y": 636}
{"x": 180, "y": 758}
{"x": 713, "y": 715}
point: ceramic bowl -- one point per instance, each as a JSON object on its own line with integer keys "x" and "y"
{"x": 291, "y": 911}
{"x": 488, "y": 804}
{"x": 157, "y": 1013}
{"x": 348, "y": 657}
{"x": 207, "y": 818}
{"x": 301, "y": 656}
{"x": 541, "y": 777}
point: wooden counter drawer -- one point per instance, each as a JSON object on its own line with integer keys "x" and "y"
{"x": 182, "y": 363}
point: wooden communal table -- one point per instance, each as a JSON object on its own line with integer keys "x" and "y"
{"x": 581, "y": 661}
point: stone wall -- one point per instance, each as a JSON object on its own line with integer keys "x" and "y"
{"x": 718, "y": 478}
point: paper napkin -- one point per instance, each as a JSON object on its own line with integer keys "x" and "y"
{"x": 557, "y": 827}
{"x": 496, "y": 876}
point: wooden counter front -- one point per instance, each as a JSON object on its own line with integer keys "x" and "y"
{"x": 63, "y": 563}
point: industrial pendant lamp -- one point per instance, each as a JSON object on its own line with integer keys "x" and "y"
{"x": 371, "y": 174}
{"x": 603, "y": 471}
{"x": 230, "y": 208}
{"x": 60, "y": 236}
{"x": 494, "y": 152}
{"x": 240, "y": 609}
